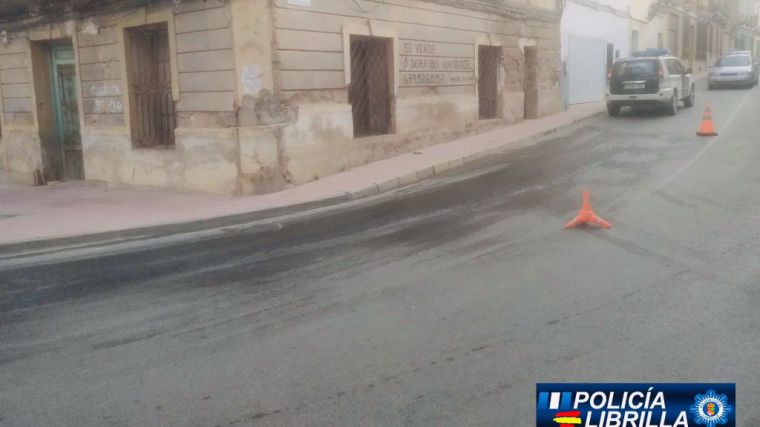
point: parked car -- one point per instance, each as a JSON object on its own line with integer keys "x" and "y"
{"x": 659, "y": 81}
{"x": 734, "y": 69}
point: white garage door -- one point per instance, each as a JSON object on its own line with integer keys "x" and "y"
{"x": 586, "y": 70}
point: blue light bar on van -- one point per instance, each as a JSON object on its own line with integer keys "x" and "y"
{"x": 651, "y": 52}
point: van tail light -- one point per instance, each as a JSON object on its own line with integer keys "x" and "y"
{"x": 660, "y": 72}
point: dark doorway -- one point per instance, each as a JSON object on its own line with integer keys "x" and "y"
{"x": 149, "y": 73}
{"x": 530, "y": 82}
{"x": 610, "y": 56}
{"x": 370, "y": 90}
{"x": 55, "y": 82}
{"x": 488, "y": 78}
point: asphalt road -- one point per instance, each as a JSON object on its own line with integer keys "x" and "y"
{"x": 443, "y": 306}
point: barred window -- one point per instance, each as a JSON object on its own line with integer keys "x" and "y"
{"x": 370, "y": 90}
{"x": 150, "y": 87}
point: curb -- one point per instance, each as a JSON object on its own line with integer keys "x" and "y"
{"x": 34, "y": 247}
{"x": 447, "y": 166}
{"x": 152, "y": 231}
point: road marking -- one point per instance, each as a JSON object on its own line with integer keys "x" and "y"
{"x": 682, "y": 169}
{"x": 708, "y": 145}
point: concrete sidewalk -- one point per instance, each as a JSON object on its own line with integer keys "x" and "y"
{"x": 31, "y": 217}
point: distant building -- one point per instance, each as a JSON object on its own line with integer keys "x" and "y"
{"x": 743, "y": 18}
{"x": 594, "y": 34}
{"x": 253, "y": 96}
{"x": 697, "y": 31}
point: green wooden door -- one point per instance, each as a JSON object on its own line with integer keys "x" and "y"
{"x": 67, "y": 110}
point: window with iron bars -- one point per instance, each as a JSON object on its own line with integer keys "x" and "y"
{"x": 370, "y": 89}
{"x": 152, "y": 114}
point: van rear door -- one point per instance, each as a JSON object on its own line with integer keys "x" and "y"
{"x": 635, "y": 76}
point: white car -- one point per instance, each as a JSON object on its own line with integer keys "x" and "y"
{"x": 735, "y": 69}
{"x": 649, "y": 81}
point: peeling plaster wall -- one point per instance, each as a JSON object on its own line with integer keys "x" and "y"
{"x": 20, "y": 151}
{"x": 21, "y": 155}
{"x": 202, "y": 160}
{"x": 261, "y": 112}
{"x": 311, "y": 77}
{"x": 205, "y": 156}
{"x": 261, "y": 88}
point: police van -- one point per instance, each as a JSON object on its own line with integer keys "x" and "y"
{"x": 651, "y": 78}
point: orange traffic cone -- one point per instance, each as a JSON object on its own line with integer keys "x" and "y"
{"x": 707, "y": 128}
{"x": 587, "y": 215}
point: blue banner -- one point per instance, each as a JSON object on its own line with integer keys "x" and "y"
{"x": 636, "y": 405}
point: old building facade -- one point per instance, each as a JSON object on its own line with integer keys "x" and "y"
{"x": 698, "y": 31}
{"x": 254, "y": 96}
{"x": 744, "y": 20}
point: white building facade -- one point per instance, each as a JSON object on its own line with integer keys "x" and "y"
{"x": 594, "y": 33}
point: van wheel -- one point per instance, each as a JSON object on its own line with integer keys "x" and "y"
{"x": 613, "y": 110}
{"x": 689, "y": 102}
{"x": 672, "y": 109}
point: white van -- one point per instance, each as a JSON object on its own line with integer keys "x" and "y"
{"x": 649, "y": 81}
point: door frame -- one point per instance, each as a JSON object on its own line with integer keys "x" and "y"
{"x": 363, "y": 85}
{"x": 501, "y": 72}
{"x": 496, "y": 50}
{"x": 56, "y": 101}
{"x": 531, "y": 97}
{"x": 372, "y": 29}
{"x": 602, "y": 66}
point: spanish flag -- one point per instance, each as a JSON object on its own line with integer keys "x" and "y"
{"x": 568, "y": 419}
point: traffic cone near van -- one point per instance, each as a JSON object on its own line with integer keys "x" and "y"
{"x": 706, "y": 128}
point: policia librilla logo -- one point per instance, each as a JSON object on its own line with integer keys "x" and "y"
{"x": 635, "y": 405}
